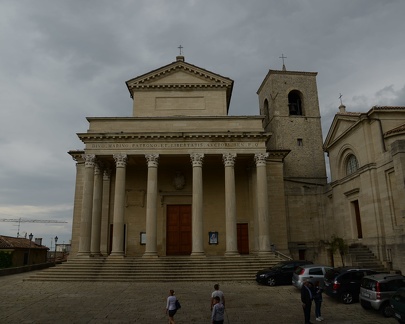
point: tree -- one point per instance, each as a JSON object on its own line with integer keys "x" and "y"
{"x": 339, "y": 244}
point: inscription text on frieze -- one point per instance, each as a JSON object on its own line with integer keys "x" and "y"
{"x": 200, "y": 145}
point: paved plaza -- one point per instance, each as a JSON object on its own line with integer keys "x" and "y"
{"x": 120, "y": 302}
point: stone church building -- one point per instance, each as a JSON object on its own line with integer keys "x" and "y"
{"x": 182, "y": 177}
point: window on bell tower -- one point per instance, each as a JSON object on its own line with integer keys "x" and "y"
{"x": 295, "y": 103}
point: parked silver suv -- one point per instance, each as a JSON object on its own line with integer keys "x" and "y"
{"x": 309, "y": 272}
{"x": 376, "y": 291}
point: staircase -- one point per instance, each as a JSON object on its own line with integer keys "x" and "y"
{"x": 163, "y": 269}
{"x": 362, "y": 257}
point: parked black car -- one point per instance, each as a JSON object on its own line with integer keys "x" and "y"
{"x": 280, "y": 274}
{"x": 398, "y": 305}
{"x": 344, "y": 283}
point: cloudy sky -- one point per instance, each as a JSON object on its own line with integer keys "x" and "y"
{"x": 61, "y": 61}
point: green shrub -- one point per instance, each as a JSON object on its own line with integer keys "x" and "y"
{"x": 5, "y": 259}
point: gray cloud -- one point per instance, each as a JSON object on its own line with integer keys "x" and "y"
{"x": 64, "y": 60}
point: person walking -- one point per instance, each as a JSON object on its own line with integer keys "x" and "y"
{"x": 218, "y": 293}
{"x": 306, "y": 299}
{"x": 218, "y": 310}
{"x": 171, "y": 306}
{"x": 318, "y": 301}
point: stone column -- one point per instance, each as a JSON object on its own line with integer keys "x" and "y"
{"x": 105, "y": 211}
{"x": 87, "y": 205}
{"x": 262, "y": 204}
{"x": 151, "y": 206}
{"x": 230, "y": 205}
{"x": 119, "y": 206}
{"x": 197, "y": 207}
{"x": 96, "y": 214}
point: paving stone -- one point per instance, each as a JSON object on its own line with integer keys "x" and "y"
{"x": 125, "y": 302}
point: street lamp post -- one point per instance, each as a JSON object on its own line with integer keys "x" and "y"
{"x": 29, "y": 249}
{"x": 56, "y": 241}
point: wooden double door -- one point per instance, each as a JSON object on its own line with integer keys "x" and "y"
{"x": 178, "y": 230}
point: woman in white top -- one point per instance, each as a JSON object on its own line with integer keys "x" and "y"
{"x": 171, "y": 306}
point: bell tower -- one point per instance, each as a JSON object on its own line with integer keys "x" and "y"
{"x": 289, "y": 102}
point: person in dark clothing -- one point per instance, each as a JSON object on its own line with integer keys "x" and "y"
{"x": 318, "y": 301}
{"x": 306, "y": 299}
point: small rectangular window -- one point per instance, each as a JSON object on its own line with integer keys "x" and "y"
{"x": 300, "y": 142}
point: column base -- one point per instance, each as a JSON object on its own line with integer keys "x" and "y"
{"x": 83, "y": 254}
{"x": 264, "y": 253}
{"x": 198, "y": 254}
{"x": 232, "y": 254}
{"x": 95, "y": 254}
{"x": 116, "y": 256}
{"x": 151, "y": 255}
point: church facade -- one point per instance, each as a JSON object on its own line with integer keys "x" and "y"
{"x": 182, "y": 177}
{"x": 365, "y": 200}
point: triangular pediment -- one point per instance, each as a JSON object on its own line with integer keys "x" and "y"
{"x": 341, "y": 125}
{"x": 180, "y": 88}
{"x": 179, "y": 77}
{"x": 179, "y": 74}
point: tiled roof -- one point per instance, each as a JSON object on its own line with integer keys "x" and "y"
{"x": 388, "y": 107}
{"x": 9, "y": 242}
{"x": 374, "y": 108}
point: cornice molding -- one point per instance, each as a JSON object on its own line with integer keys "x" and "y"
{"x": 157, "y": 136}
{"x": 179, "y": 86}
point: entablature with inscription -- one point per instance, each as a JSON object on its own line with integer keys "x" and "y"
{"x": 215, "y": 146}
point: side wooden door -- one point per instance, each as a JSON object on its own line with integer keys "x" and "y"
{"x": 243, "y": 238}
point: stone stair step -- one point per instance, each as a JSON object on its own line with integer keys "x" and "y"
{"x": 363, "y": 257}
{"x": 157, "y": 269}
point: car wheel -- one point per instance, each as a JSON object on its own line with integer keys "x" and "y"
{"x": 387, "y": 310}
{"x": 347, "y": 297}
{"x": 271, "y": 281}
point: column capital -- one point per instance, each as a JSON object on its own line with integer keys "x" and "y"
{"x": 89, "y": 160}
{"x": 260, "y": 159}
{"x": 152, "y": 159}
{"x": 77, "y": 156}
{"x": 229, "y": 159}
{"x": 120, "y": 160}
{"x": 197, "y": 159}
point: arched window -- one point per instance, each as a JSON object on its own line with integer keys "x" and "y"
{"x": 351, "y": 165}
{"x": 266, "y": 111}
{"x": 295, "y": 103}
{"x": 266, "y": 107}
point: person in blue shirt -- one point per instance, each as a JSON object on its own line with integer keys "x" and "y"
{"x": 318, "y": 301}
{"x": 218, "y": 310}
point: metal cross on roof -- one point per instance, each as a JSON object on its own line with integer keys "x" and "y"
{"x": 283, "y": 57}
{"x": 180, "y": 48}
{"x": 340, "y": 97}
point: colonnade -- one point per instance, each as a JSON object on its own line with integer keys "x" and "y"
{"x": 94, "y": 214}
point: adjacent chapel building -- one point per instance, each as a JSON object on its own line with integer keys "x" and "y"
{"x": 182, "y": 177}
